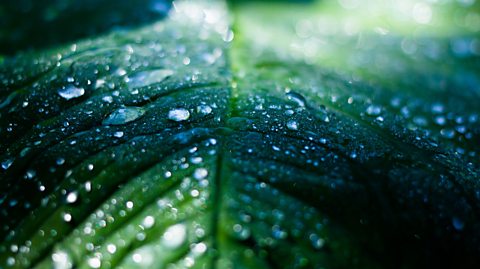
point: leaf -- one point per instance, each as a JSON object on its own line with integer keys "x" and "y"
{"x": 188, "y": 143}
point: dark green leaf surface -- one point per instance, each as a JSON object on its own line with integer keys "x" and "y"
{"x": 189, "y": 143}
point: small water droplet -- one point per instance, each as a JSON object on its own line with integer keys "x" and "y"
{"x": 72, "y": 197}
{"x": 148, "y": 222}
{"x": 292, "y": 125}
{"x": 204, "y": 109}
{"x": 70, "y": 92}
{"x": 118, "y": 134}
{"x": 178, "y": 114}
{"x": 60, "y": 161}
{"x": 111, "y": 248}
{"x": 7, "y": 163}
{"x": 458, "y": 224}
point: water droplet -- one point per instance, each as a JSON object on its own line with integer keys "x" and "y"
{"x": 200, "y": 173}
{"x": 199, "y": 248}
{"x": 60, "y": 161}
{"x": 204, "y": 109}
{"x": 61, "y": 260}
{"x": 94, "y": 262}
{"x": 292, "y": 125}
{"x": 71, "y": 92}
{"x": 174, "y": 236}
{"x": 107, "y": 99}
{"x": 440, "y": 120}
{"x": 148, "y": 222}
{"x": 297, "y": 98}
{"x": 458, "y": 224}
{"x": 447, "y": 133}
{"x": 148, "y": 77}
{"x": 7, "y": 163}
{"x": 374, "y": 110}
{"x": 124, "y": 115}
{"x": 72, "y": 197}
{"x": 118, "y": 134}
{"x": 178, "y": 114}
{"x": 111, "y": 248}
{"x": 67, "y": 217}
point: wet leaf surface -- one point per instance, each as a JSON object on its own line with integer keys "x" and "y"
{"x": 211, "y": 140}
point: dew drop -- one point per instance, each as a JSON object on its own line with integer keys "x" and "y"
{"x": 178, "y": 114}
{"x": 292, "y": 125}
{"x": 94, "y": 262}
{"x": 72, "y": 197}
{"x": 174, "y": 236}
{"x": 457, "y": 223}
{"x": 373, "y": 110}
{"x": 61, "y": 260}
{"x": 447, "y": 133}
{"x": 111, "y": 248}
{"x": 124, "y": 115}
{"x": 71, "y": 92}
{"x": 200, "y": 173}
{"x": 148, "y": 77}
{"x": 148, "y": 222}
{"x": 118, "y": 134}
{"x": 204, "y": 109}
{"x": 297, "y": 98}
{"x": 7, "y": 163}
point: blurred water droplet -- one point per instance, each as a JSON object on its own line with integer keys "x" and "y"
{"x": 174, "y": 236}
{"x": 148, "y": 222}
{"x": 94, "y": 262}
{"x": 292, "y": 125}
{"x": 145, "y": 78}
{"x": 200, "y": 173}
{"x": 457, "y": 223}
{"x": 61, "y": 260}
{"x": 373, "y": 110}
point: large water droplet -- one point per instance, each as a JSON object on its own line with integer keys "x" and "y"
{"x": 148, "y": 77}
{"x": 297, "y": 98}
{"x": 178, "y": 114}
{"x": 174, "y": 236}
{"x": 70, "y": 92}
{"x": 61, "y": 260}
{"x": 124, "y": 115}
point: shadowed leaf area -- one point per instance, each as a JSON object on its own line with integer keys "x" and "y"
{"x": 213, "y": 139}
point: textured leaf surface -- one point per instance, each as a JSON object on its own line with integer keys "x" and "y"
{"x": 189, "y": 143}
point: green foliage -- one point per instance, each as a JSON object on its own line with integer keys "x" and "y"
{"x": 248, "y": 136}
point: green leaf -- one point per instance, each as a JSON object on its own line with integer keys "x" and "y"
{"x": 258, "y": 135}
